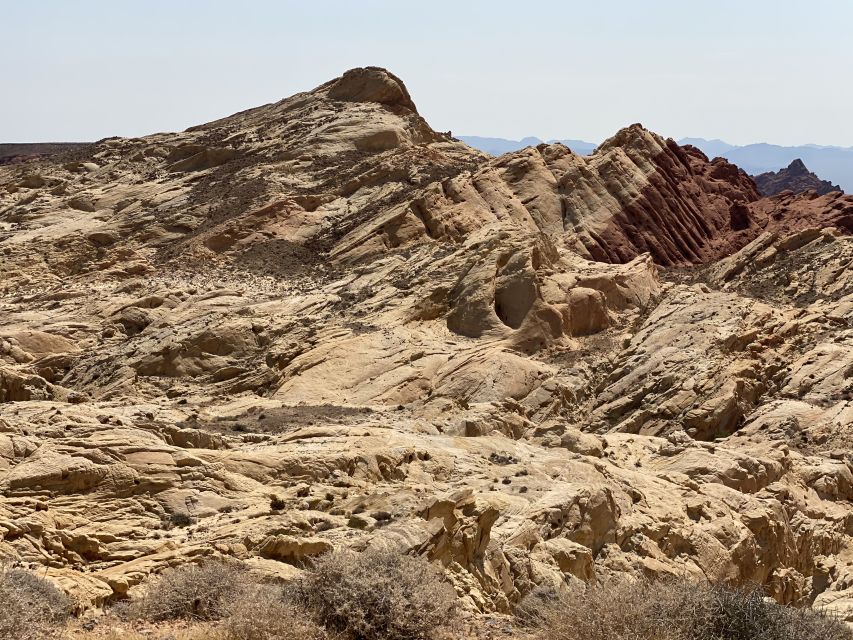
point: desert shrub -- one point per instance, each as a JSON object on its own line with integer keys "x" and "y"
{"x": 30, "y": 606}
{"x": 738, "y": 615}
{"x": 538, "y": 605}
{"x": 176, "y": 519}
{"x": 377, "y": 595}
{"x": 192, "y": 592}
{"x": 111, "y": 630}
{"x": 814, "y": 624}
{"x": 673, "y": 610}
{"x": 618, "y": 611}
{"x": 263, "y": 612}
{"x": 746, "y": 614}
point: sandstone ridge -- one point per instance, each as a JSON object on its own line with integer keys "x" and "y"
{"x": 322, "y": 324}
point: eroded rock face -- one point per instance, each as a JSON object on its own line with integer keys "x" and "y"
{"x": 322, "y": 324}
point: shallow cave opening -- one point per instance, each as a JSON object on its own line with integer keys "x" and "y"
{"x": 739, "y": 217}
{"x": 514, "y": 300}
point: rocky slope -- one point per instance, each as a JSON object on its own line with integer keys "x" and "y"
{"x": 320, "y": 323}
{"x": 796, "y": 177}
{"x": 11, "y": 153}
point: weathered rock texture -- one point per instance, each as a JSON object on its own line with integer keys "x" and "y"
{"x": 320, "y": 323}
{"x": 796, "y": 177}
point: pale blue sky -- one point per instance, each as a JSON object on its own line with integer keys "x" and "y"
{"x": 745, "y": 71}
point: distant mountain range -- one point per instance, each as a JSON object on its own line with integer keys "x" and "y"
{"x": 830, "y": 163}
{"x": 499, "y": 146}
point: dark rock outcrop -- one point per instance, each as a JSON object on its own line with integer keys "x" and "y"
{"x": 16, "y": 153}
{"x": 796, "y": 177}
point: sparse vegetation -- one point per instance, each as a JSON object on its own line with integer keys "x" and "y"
{"x": 176, "y": 519}
{"x": 673, "y": 610}
{"x": 264, "y": 612}
{"x": 378, "y": 595}
{"x": 382, "y": 595}
{"x": 192, "y": 592}
{"x": 374, "y": 595}
{"x": 198, "y": 631}
{"x": 30, "y": 606}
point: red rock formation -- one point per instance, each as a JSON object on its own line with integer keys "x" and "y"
{"x": 638, "y": 193}
{"x": 677, "y": 207}
{"x": 796, "y": 177}
{"x": 694, "y": 210}
{"x": 789, "y": 212}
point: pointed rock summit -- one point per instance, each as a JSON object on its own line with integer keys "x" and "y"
{"x": 797, "y": 167}
{"x": 796, "y": 177}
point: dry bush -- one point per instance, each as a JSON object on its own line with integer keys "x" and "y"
{"x": 191, "y": 592}
{"x": 30, "y": 606}
{"x": 378, "y": 595}
{"x": 618, "y": 611}
{"x": 746, "y": 614}
{"x": 224, "y": 591}
{"x": 263, "y": 612}
{"x": 673, "y": 610}
{"x": 199, "y": 631}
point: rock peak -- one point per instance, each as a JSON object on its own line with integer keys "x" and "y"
{"x": 798, "y": 165}
{"x": 796, "y": 177}
{"x": 371, "y": 84}
{"x": 631, "y": 136}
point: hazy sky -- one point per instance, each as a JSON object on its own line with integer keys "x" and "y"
{"x": 745, "y": 71}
